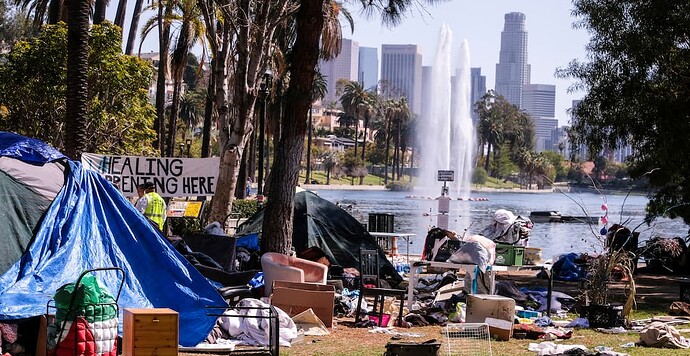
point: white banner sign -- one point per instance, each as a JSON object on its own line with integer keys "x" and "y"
{"x": 172, "y": 176}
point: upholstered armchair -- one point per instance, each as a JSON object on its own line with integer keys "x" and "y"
{"x": 279, "y": 267}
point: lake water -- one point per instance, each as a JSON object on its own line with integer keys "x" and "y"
{"x": 417, "y": 215}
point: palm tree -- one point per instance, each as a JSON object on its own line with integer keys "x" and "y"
{"x": 356, "y": 102}
{"x": 191, "y": 32}
{"x": 330, "y": 160}
{"x": 309, "y": 20}
{"x": 318, "y": 91}
{"x": 77, "y": 81}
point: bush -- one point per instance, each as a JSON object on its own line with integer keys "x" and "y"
{"x": 479, "y": 176}
{"x": 400, "y": 186}
{"x": 244, "y": 208}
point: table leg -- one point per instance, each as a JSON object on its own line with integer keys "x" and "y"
{"x": 549, "y": 292}
{"x": 410, "y": 287}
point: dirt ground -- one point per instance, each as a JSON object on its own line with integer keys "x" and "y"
{"x": 654, "y": 295}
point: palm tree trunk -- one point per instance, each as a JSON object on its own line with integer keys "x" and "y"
{"x": 488, "y": 155}
{"x": 54, "y": 10}
{"x": 134, "y": 26}
{"x": 278, "y": 217}
{"x": 387, "y": 154}
{"x": 208, "y": 115}
{"x": 308, "y": 174}
{"x": 120, "y": 14}
{"x": 99, "y": 11}
{"x": 77, "y": 78}
{"x": 164, "y": 45}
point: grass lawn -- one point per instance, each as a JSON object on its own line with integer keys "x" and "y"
{"x": 370, "y": 179}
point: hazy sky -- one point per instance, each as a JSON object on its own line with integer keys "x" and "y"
{"x": 552, "y": 40}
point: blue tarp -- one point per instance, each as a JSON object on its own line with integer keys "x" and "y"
{"x": 90, "y": 225}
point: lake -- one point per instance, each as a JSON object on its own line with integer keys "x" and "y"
{"x": 417, "y": 215}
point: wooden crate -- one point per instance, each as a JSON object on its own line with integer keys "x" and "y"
{"x": 150, "y": 332}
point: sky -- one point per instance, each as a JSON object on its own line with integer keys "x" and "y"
{"x": 552, "y": 40}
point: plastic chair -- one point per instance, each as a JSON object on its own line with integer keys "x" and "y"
{"x": 279, "y": 267}
{"x": 369, "y": 285}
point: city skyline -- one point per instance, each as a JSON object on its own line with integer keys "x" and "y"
{"x": 552, "y": 40}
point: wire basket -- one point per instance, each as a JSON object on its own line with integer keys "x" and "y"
{"x": 467, "y": 339}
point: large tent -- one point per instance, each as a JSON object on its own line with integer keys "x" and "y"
{"x": 58, "y": 220}
{"x": 320, "y": 223}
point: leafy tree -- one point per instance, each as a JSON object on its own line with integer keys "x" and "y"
{"x": 33, "y": 86}
{"x": 14, "y": 25}
{"x": 479, "y": 176}
{"x": 637, "y": 81}
{"x": 330, "y": 159}
{"x": 353, "y": 165}
{"x": 557, "y": 162}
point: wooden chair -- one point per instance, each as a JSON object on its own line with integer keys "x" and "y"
{"x": 369, "y": 286}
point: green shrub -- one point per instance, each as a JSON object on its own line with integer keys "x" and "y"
{"x": 244, "y": 208}
{"x": 479, "y": 176}
{"x": 400, "y": 186}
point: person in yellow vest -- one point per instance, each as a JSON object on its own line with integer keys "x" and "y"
{"x": 151, "y": 204}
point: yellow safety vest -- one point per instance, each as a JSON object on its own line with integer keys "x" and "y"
{"x": 155, "y": 209}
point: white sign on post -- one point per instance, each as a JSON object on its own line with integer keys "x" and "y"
{"x": 446, "y": 176}
{"x": 172, "y": 176}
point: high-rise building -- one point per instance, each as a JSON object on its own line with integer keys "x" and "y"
{"x": 368, "y": 67}
{"x": 401, "y": 68}
{"x": 478, "y": 89}
{"x": 512, "y": 70}
{"x": 345, "y": 66}
{"x": 543, "y": 132}
{"x": 539, "y": 100}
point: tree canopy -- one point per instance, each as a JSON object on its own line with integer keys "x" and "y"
{"x": 33, "y": 85}
{"x": 637, "y": 85}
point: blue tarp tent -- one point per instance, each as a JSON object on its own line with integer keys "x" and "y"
{"x": 59, "y": 220}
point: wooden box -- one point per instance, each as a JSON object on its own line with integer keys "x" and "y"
{"x": 150, "y": 332}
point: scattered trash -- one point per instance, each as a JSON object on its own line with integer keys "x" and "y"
{"x": 628, "y": 344}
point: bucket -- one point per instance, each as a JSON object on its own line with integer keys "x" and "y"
{"x": 384, "y": 322}
{"x": 532, "y": 255}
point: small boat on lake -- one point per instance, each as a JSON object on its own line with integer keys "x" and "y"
{"x": 557, "y": 217}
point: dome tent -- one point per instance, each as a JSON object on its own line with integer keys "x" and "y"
{"x": 58, "y": 220}
{"x": 318, "y": 222}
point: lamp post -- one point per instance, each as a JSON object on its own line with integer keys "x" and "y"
{"x": 181, "y": 149}
{"x": 188, "y": 142}
{"x": 263, "y": 95}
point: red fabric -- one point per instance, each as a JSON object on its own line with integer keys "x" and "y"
{"x": 78, "y": 342}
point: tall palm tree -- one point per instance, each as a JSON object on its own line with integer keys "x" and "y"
{"x": 191, "y": 31}
{"x": 318, "y": 91}
{"x": 77, "y": 81}
{"x": 356, "y": 101}
{"x": 309, "y": 21}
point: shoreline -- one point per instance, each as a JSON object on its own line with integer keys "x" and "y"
{"x": 317, "y": 187}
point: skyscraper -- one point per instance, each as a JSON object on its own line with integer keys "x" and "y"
{"x": 539, "y": 100}
{"x": 368, "y": 66}
{"x": 401, "y": 68}
{"x": 512, "y": 70}
{"x": 478, "y": 89}
{"x": 345, "y": 66}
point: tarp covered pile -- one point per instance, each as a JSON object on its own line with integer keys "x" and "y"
{"x": 58, "y": 220}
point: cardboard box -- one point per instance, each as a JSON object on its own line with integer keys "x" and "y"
{"x": 482, "y": 306}
{"x": 500, "y": 329}
{"x": 294, "y": 298}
